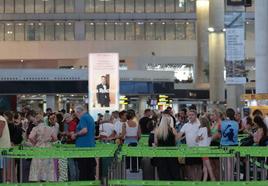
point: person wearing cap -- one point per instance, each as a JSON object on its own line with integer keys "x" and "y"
{"x": 4, "y": 140}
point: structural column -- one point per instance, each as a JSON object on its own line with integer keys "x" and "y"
{"x": 261, "y": 45}
{"x": 216, "y": 51}
{"x": 202, "y": 24}
{"x": 51, "y": 102}
{"x": 79, "y": 26}
{"x": 142, "y": 104}
{"x": 79, "y": 6}
{"x": 234, "y": 93}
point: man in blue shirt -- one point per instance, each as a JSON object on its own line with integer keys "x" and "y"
{"x": 229, "y": 129}
{"x": 85, "y": 137}
{"x": 229, "y": 136}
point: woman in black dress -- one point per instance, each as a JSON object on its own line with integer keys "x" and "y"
{"x": 168, "y": 168}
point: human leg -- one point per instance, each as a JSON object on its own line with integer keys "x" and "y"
{"x": 209, "y": 170}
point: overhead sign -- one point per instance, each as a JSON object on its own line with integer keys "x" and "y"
{"x": 254, "y": 97}
{"x": 123, "y": 100}
{"x": 103, "y": 82}
{"x": 235, "y": 2}
{"x": 245, "y": 3}
{"x": 164, "y": 100}
{"x": 234, "y": 23}
{"x": 235, "y": 44}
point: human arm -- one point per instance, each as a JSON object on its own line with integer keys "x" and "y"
{"x": 139, "y": 132}
{"x": 54, "y": 136}
{"x": 82, "y": 129}
{"x": 82, "y": 132}
{"x": 217, "y": 135}
{"x": 2, "y": 126}
{"x": 32, "y": 136}
{"x": 179, "y": 135}
{"x": 124, "y": 126}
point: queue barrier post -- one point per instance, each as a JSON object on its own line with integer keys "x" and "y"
{"x": 237, "y": 156}
{"x": 247, "y": 168}
{"x": 225, "y": 169}
{"x": 124, "y": 167}
{"x": 221, "y": 169}
{"x": 231, "y": 166}
{"x": 21, "y": 170}
{"x": 263, "y": 170}
{"x": 255, "y": 169}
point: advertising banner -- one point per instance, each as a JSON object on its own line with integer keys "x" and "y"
{"x": 103, "y": 82}
{"x": 235, "y": 47}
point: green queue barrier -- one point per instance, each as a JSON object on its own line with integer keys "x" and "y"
{"x": 78, "y": 183}
{"x": 143, "y": 140}
{"x": 139, "y": 151}
{"x": 173, "y": 152}
{"x": 184, "y": 151}
{"x": 254, "y": 151}
{"x": 109, "y": 150}
{"x": 43, "y": 154}
{"x": 102, "y": 151}
{"x": 184, "y": 183}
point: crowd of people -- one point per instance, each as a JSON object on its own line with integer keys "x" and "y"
{"x": 164, "y": 128}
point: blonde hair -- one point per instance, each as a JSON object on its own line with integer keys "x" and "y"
{"x": 204, "y": 122}
{"x": 163, "y": 128}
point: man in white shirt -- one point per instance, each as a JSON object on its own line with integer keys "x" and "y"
{"x": 190, "y": 129}
{"x": 118, "y": 124}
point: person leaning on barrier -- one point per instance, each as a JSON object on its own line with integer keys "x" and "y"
{"x": 85, "y": 137}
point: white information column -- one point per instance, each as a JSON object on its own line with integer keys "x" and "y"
{"x": 103, "y": 83}
{"x": 261, "y": 45}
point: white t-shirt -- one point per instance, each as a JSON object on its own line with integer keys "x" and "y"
{"x": 205, "y": 142}
{"x": 191, "y": 132}
{"x": 118, "y": 127}
{"x": 106, "y": 129}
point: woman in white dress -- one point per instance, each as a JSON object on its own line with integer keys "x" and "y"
{"x": 42, "y": 136}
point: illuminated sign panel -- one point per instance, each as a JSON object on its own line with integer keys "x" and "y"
{"x": 103, "y": 82}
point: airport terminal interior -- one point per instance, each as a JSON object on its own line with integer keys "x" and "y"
{"x": 133, "y": 92}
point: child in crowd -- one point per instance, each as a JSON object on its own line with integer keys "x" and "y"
{"x": 203, "y": 139}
